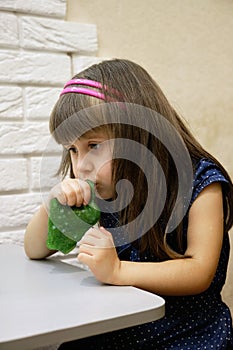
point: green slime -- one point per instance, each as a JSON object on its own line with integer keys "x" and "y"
{"x": 67, "y": 225}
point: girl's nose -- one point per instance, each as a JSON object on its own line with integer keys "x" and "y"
{"x": 84, "y": 166}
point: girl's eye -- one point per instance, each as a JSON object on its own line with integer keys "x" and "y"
{"x": 94, "y": 145}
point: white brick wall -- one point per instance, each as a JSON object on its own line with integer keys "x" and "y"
{"x": 13, "y": 183}
{"x": 11, "y": 105}
{"x": 39, "y": 52}
{"x": 39, "y": 101}
{"x": 9, "y": 30}
{"x": 53, "y": 8}
{"x": 57, "y": 35}
{"x": 32, "y": 67}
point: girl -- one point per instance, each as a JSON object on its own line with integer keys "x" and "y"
{"x": 178, "y": 245}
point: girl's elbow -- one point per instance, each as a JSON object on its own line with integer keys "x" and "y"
{"x": 38, "y": 253}
{"x": 203, "y": 284}
{"x": 30, "y": 252}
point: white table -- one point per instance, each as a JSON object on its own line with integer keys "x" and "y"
{"x": 48, "y": 301}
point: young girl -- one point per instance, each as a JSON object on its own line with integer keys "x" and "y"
{"x": 178, "y": 245}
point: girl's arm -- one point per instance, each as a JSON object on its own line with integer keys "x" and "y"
{"x": 172, "y": 277}
{"x": 70, "y": 192}
{"x": 36, "y": 236}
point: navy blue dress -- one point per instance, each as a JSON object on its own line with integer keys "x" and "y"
{"x": 191, "y": 322}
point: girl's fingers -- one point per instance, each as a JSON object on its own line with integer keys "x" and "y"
{"x": 78, "y": 192}
{"x": 108, "y": 236}
{"x": 92, "y": 241}
{"x": 85, "y": 249}
{"x": 86, "y": 191}
{"x": 58, "y": 193}
{"x": 69, "y": 193}
{"x": 84, "y": 258}
{"x": 97, "y": 238}
{"x": 72, "y": 192}
{"x": 90, "y": 238}
{"x": 105, "y": 232}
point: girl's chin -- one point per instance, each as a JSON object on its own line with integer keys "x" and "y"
{"x": 102, "y": 192}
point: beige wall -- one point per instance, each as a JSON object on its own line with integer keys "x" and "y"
{"x": 186, "y": 45}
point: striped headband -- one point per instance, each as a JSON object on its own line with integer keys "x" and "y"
{"x": 69, "y": 87}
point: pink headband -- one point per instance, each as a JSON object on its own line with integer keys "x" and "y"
{"x": 81, "y": 90}
{"x": 86, "y": 82}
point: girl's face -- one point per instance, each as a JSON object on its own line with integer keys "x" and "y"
{"x": 91, "y": 158}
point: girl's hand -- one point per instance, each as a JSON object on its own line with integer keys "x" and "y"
{"x": 98, "y": 252}
{"x": 71, "y": 192}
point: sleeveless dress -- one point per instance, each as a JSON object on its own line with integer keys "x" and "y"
{"x": 200, "y": 321}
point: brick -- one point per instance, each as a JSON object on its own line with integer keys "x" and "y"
{"x": 34, "y": 67}
{"x": 8, "y": 30}
{"x": 44, "y": 172}
{"x": 21, "y": 138}
{"x": 57, "y": 35}
{"x": 12, "y": 237}
{"x": 17, "y": 210}
{"x": 9, "y": 182}
{"x": 11, "y": 102}
{"x": 40, "y": 101}
{"x": 53, "y": 8}
{"x": 82, "y": 62}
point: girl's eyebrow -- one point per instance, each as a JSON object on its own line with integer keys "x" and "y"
{"x": 88, "y": 135}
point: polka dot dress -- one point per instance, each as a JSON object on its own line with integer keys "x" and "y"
{"x": 200, "y": 321}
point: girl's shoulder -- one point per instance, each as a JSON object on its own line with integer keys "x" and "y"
{"x": 205, "y": 173}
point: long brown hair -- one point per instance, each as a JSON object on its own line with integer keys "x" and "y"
{"x": 127, "y": 82}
